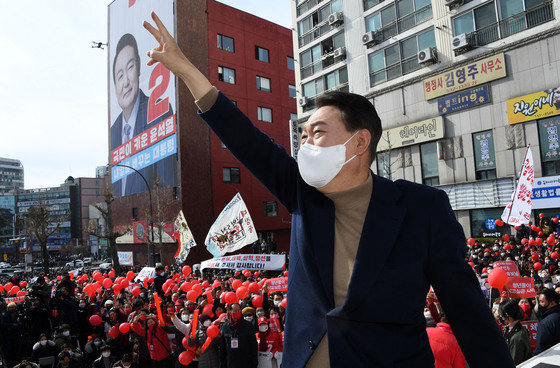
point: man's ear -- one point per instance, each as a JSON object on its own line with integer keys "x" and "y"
{"x": 363, "y": 139}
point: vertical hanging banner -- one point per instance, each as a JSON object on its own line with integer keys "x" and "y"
{"x": 184, "y": 237}
{"x": 142, "y": 101}
{"x": 519, "y": 210}
{"x": 232, "y": 230}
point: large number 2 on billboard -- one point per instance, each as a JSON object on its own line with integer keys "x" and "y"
{"x": 158, "y": 108}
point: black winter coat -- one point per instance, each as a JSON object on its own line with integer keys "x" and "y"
{"x": 245, "y": 355}
{"x": 548, "y": 331}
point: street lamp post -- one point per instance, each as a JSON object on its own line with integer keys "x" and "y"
{"x": 150, "y": 253}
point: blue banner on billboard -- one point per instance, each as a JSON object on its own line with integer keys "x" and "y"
{"x": 464, "y": 100}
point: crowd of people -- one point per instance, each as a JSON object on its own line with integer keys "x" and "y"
{"x": 228, "y": 318}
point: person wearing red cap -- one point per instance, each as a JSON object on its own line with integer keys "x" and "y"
{"x": 268, "y": 340}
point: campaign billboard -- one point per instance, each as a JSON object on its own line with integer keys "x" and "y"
{"x": 142, "y": 100}
{"x": 546, "y": 193}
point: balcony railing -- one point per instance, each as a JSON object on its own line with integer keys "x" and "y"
{"x": 326, "y": 61}
{"x": 314, "y": 33}
{"x": 532, "y": 17}
{"x": 306, "y": 5}
{"x": 405, "y": 66}
{"x": 311, "y": 100}
{"x": 405, "y": 23}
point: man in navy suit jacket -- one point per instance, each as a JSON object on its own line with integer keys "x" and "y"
{"x": 133, "y": 119}
{"x": 328, "y": 322}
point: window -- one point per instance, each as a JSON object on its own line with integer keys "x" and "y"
{"x": 316, "y": 24}
{"x": 483, "y": 19}
{"x": 290, "y": 61}
{"x": 225, "y": 43}
{"x": 383, "y": 164}
{"x": 335, "y": 80}
{"x": 270, "y": 208}
{"x": 479, "y": 219}
{"x": 549, "y": 145}
{"x": 261, "y": 54}
{"x": 429, "y": 160}
{"x": 263, "y": 84}
{"x": 292, "y": 91}
{"x": 264, "y": 114}
{"x": 231, "y": 175}
{"x": 135, "y": 212}
{"x": 368, "y": 4}
{"x": 399, "y": 58}
{"x": 399, "y": 17}
{"x": 226, "y": 74}
{"x": 320, "y": 56}
{"x": 484, "y": 155}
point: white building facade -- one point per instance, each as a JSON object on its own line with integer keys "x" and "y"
{"x": 462, "y": 87}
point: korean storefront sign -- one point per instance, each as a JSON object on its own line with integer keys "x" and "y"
{"x": 548, "y": 136}
{"x": 546, "y": 192}
{"x": 537, "y": 105}
{"x": 464, "y": 100}
{"x": 406, "y": 135}
{"x": 466, "y": 76}
{"x": 484, "y": 155}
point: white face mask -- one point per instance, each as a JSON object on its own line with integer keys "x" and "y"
{"x": 106, "y": 354}
{"x": 207, "y": 323}
{"x": 260, "y": 314}
{"x": 248, "y": 318}
{"x": 43, "y": 342}
{"x": 66, "y": 333}
{"x": 263, "y": 328}
{"x": 319, "y": 165}
{"x": 277, "y": 303}
{"x": 184, "y": 318}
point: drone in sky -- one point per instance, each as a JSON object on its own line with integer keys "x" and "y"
{"x": 98, "y": 45}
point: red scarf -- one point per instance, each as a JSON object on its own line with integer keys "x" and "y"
{"x": 263, "y": 336}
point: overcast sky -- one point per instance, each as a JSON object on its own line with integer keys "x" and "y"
{"x": 53, "y": 85}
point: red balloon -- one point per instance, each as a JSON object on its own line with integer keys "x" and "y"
{"x": 185, "y": 342}
{"x": 130, "y": 275}
{"x": 555, "y": 220}
{"x": 524, "y": 241}
{"x": 535, "y": 256}
{"x": 124, "y": 284}
{"x": 116, "y": 289}
{"x": 517, "y": 228}
{"x": 186, "y": 286}
{"x": 537, "y": 265}
{"x": 195, "y": 281}
{"x": 534, "y": 227}
{"x": 470, "y": 242}
{"x": 254, "y": 287}
{"x": 191, "y": 295}
{"x": 538, "y": 229}
{"x": 550, "y": 240}
{"x": 197, "y": 288}
{"x": 186, "y": 357}
{"x": 216, "y": 284}
{"x": 497, "y": 278}
{"x": 208, "y": 310}
{"x": 205, "y": 284}
{"x": 112, "y": 273}
{"x": 247, "y": 273}
{"x": 59, "y": 278}
{"x": 230, "y": 297}
{"x": 541, "y": 215}
{"x": 286, "y": 273}
{"x": 14, "y": 290}
{"x": 541, "y": 233}
{"x": 242, "y": 292}
{"x": 107, "y": 283}
{"x": 505, "y": 237}
{"x": 531, "y": 242}
{"x": 20, "y": 293}
{"x": 124, "y": 327}
{"x": 113, "y": 332}
{"x": 186, "y": 270}
{"x": 257, "y": 301}
{"x": 136, "y": 291}
{"x": 1, "y": 288}
{"x": 471, "y": 264}
{"x": 151, "y": 280}
{"x": 235, "y": 284}
{"x": 284, "y": 303}
{"x": 499, "y": 222}
{"x": 554, "y": 255}
{"x": 95, "y": 320}
{"x": 8, "y": 286}
{"x": 256, "y": 274}
{"x": 212, "y": 331}
{"x": 237, "y": 273}
{"x": 23, "y": 284}
{"x": 538, "y": 241}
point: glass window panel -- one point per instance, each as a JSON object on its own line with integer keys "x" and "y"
{"x": 342, "y": 76}
{"x": 463, "y": 24}
{"x": 316, "y": 52}
{"x": 376, "y": 61}
{"x": 292, "y": 91}
{"x": 426, "y": 40}
{"x": 485, "y": 15}
{"x": 429, "y": 158}
{"x": 404, "y": 7}
{"x": 338, "y": 40}
{"x": 331, "y": 80}
{"x": 409, "y": 48}
{"x": 265, "y": 84}
{"x": 510, "y": 7}
{"x": 531, "y": 3}
{"x": 290, "y": 62}
{"x": 370, "y": 4}
{"x": 392, "y": 55}
{"x": 419, "y": 4}
{"x": 304, "y": 26}
{"x": 306, "y": 58}
{"x": 388, "y": 15}
{"x": 319, "y": 86}
{"x": 373, "y": 22}
{"x": 324, "y": 13}
{"x": 336, "y": 6}
{"x": 309, "y": 90}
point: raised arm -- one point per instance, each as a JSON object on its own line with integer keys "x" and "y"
{"x": 266, "y": 160}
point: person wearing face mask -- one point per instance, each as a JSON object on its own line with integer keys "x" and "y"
{"x": 10, "y": 328}
{"x": 159, "y": 280}
{"x": 516, "y": 335}
{"x": 444, "y": 346}
{"x": 527, "y": 306}
{"x": 140, "y": 346}
{"x": 105, "y": 360}
{"x": 249, "y": 316}
{"x": 239, "y": 345}
{"x": 126, "y": 362}
{"x": 268, "y": 340}
{"x": 64, "y": 337}
{"x": 274, "y": 321}
{"x": 210, "y": 358}
{"x": 156, "y": 340}
{"x": 65, "y": 360}
{"x": 355, "y": 235}
{"x": 92, "y": 350}
{"x": 43, "y": 348}
{"x": 548, "y": 330}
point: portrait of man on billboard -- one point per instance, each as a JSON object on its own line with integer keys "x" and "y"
{"x": 133, "y": 119}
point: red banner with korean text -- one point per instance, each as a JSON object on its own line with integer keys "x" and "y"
{"x": 277, "y": 284}
{"x": 509, "y": 266}
{"x": 140, "y": 231}
{"x": 531, "y": 326}
{"x": 519, "y": 287}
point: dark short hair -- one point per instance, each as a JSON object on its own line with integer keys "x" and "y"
{"x": 127, "y": 357}
{"x": 511, "y": 308}
{"x": 63, "y": 354}
{"x": 550, "y": 295}
{"x": 160, "y": 268}
{"x": 357, "y": 113}
{"x": 127, "y": 40}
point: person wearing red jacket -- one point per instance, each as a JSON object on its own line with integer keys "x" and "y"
{"x": 267, "y": 339}
{"x": 156, "y": 338}
{"x": 446, "y": 350}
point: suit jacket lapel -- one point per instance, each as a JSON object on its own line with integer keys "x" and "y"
{"x": 381, "y": 228}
